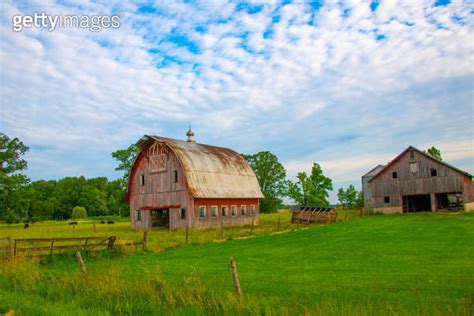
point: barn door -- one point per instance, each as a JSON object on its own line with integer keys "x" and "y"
{"x": 160, "y": 217}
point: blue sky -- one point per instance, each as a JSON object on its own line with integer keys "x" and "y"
{"x": 347, "y": 84}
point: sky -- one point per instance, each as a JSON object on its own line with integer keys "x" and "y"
{"x": 346, "y": 84}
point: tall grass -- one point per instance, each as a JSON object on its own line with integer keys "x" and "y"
{"x": 415, "y": 264}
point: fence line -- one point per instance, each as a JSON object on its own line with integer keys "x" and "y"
{"x": 13, "y": 245}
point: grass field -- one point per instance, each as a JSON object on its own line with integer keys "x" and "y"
{"x": 375, "y": 265}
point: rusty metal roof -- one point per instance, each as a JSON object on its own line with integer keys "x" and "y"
{"x": 212, "y": 172}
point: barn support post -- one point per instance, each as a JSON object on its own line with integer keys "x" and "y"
{"x": 433, "y": 202}
{"x": 235, "y": 277}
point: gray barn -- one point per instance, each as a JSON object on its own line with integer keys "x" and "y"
{"x": 414, "y": 181}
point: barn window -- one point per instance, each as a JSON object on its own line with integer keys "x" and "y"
{"x": 175, "y": 175}
{"x": 386, "y": 199}
{"x": 412, "y": 154}
{"x": 234, "y": 210}
{"x": 138, "y": 215}
{"x": 202, "y": 211}
{"x": 394, "y": 175}
{"x": 243, "y": 210}
{"x": 182, "y": 213}
{"x": 434, "y": 172}
{"x": 142, "y": 179}
{"x": 214, "y": 211}
{"x": 252, "y": 210}
{"x": 224, "y": 210}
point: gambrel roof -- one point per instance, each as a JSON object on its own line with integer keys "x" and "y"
{"x": 210, "y": 171}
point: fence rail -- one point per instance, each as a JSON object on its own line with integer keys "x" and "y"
{"x": 9, "y": 246}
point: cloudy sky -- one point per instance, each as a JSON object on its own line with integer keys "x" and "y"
{"x": 347, "y": 84}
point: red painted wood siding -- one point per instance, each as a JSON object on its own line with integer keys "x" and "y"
{"x": 239, "y": 219}
{"x": 160, "y": 191}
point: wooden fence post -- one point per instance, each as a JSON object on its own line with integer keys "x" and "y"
{"x": 222, "y": 229}
{"x": 278, "y": 225}
{"x": 8, "y": 249}
{"x": 187, "y": 234}
{"x": 235, "y": 276}
{"x": 110, "y": 245}
{"x": 73, "y": 230}
{"x": 81, "y": 262}
{"x": 14, "y": 249}
{"x": 51, "y": 247}
{"x": 145, "y": 239}
{"x": 253, "y": 224}
{"x": 298, "y": 219}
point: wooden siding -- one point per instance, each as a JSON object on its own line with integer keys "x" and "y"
{"x": 238, "y": 219}
{"x": 419, "y": 182}
{"x": 160, "y": 190}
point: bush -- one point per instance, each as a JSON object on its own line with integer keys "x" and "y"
{"x": 78, "y": 212}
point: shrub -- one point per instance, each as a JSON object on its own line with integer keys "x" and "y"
{"x": 78, "y": 212}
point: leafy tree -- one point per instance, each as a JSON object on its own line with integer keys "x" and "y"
{"x": 360, "y": 199}
{"x": 12, "y": 202}
{"x": 311, "y": 190}
{"x": 116, "y": 197}
{"x": 434, "y": 152}
{"x": 341, "y": 196}
{"x": 347, "y": 197}
{"x": 126, "y": 157}
{"x": 79, "y": 212}
{"x": 271, "y": 176}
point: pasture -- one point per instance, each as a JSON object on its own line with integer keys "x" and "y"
{"x": 386, "y": 264}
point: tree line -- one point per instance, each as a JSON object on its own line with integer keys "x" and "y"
{"x": 24, "y": 200}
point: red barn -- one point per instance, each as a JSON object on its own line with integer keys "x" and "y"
{"x": 175, "y": 184}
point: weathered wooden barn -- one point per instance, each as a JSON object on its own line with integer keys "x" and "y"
{"x": 175, "y": 183}
{"x": 413, "y": 182}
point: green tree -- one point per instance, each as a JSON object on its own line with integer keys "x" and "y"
{"x": 360, "y": 199}
{"x": 79, "y": 212}
{"x": 41, "y": 202}
{"x": 434, "y": 152}
{"x": 271, "y": 177}
{"x": 125, "y": 157}
{"x": 116, "y": 198}
{"x": 351, "y": 195}
{"x": 347, "y": 197}
{"x": 311, "y": 190}
{"x": 341, "y": 196}
{"x": 13, "y": 202}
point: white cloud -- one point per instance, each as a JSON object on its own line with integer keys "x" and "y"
{"x": 306, "y": 91}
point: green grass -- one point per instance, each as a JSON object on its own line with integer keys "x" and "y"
{"x": 375, "y": 265}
